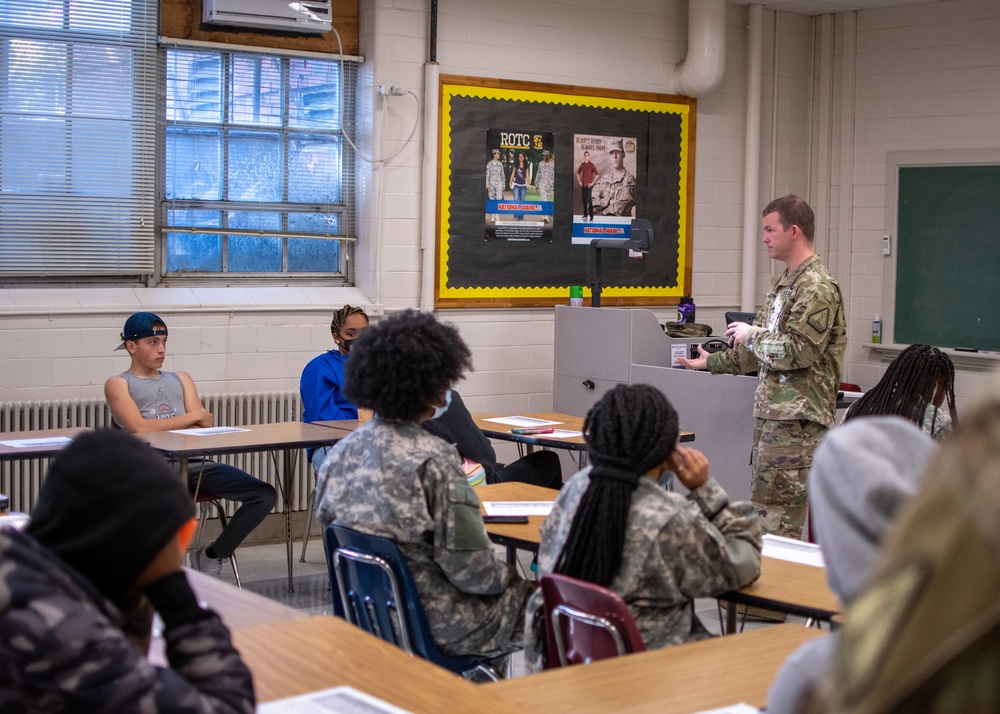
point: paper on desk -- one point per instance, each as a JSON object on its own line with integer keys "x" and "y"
{"x": 795, "y": 551}
{"x": 522, "y": 421}
{"x": 45, "y": 441}
{"x": 343, "y": 700}
{"x": 517, "y": 508}
{"x": 740, "y": 708}
{"x": 208, "y": 431}
{"x": 560, "y": 434}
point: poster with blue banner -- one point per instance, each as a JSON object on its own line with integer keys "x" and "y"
{"x": 604, "y": 202}
{"x": 520, "y": 186}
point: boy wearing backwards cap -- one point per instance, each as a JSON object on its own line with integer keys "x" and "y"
{"x": 145, "y": 398}
{"x": 105, "y": 544}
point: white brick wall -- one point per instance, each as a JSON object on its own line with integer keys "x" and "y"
{"x": 926, "y": 77}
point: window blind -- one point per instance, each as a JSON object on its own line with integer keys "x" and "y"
{"x": 77, "y": 137}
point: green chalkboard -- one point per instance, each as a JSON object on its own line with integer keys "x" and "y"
{"x": 948, "y": 261}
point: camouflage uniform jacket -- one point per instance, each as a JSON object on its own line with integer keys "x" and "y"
{"x": 494, "y": 180}
{"x": 64, "y": 648}
{"x": 615, "y": 196}
{"x": 677, "y": 549}
{"x": 797, "y": 344}
{"x": 398, "y": 481}
{"x": 546, "y": 179}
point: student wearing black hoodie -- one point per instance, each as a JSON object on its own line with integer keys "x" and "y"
{"x": 78, "y": 588}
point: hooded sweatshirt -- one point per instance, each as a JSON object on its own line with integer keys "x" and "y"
{"x": 862, "y": 474}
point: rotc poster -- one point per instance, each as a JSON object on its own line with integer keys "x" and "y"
{"x": 511, "y": 229}
{"x": 605, "y": 201}
{"x": 520, "y": 183}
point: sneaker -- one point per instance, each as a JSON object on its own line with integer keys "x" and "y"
{"x": 203, "y": 564}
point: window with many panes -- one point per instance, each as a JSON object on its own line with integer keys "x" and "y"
{"x": 257, "y": 179}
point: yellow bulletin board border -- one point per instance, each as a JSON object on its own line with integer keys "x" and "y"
{"x": 559, "y": 98}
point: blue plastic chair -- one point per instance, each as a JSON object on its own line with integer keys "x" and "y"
{"x": 373, "y": 588}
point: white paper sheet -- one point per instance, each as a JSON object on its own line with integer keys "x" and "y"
{"x": 342, "y": 700}
{"x": 795, "y": 551}
{"x": 518, "y": 508}
{"x": 559, "y": 434}
{"x": 208, "y": 431}
{"x": 522, "y": 421}
{"x": 29, "y": 443}
{"x": 740, "y": 708}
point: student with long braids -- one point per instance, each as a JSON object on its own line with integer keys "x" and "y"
{"x": 614, "y": 525}
{"x": 915, "y": 386}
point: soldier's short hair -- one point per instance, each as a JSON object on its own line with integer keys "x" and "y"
{"x": 793, "y": 211}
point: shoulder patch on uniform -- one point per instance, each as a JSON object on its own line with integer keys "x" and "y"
{"x": 820, "y": 320}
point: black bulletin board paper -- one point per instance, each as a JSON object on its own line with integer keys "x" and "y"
{"x": 477, "y": 272}
{"x": 948, "y": 262}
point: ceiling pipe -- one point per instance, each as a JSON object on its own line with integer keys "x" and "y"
{"x": 751, "y": 158}
{"x": 702, "y": 70}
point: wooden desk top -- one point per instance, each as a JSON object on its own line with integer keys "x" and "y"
{"x": 239, "y": 608}
{"x": 495, "y": 430}
{"x": 258, "y": 437}
{"x": 790, "y": 587}
{"x": 686, "y": 678}
{"x": 12, "y": 453}
{"x": 525, "y": 536}
{"x": 299, "y": 656}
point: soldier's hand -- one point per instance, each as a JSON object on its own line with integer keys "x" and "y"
{"x": 699, "y": 362}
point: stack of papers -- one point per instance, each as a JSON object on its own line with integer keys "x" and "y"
{"x": 795, "y": 551}
{"x": 343, "y": 700}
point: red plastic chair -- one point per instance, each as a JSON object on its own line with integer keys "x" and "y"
{"x": 585, "y": 622}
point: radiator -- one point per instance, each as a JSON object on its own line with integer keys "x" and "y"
{"x": 21, "y": 480}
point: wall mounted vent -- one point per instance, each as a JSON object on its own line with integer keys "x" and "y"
{"x": 289, "y": 15}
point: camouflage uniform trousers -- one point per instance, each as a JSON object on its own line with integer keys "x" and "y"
{"x": 781, "y": 458}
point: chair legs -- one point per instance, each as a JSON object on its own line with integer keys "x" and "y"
{"x": 309, "y": 522}
{"x": 223, "y": 521}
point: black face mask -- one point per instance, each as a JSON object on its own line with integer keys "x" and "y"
{"x": 346, "y": 344}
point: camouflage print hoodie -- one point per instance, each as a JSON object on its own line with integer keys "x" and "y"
{"x": 797, "y": 345}
{"x": 64, "y": 647}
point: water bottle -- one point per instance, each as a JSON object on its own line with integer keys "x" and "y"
{"x": 685, "y": 310}
{"x": 576, "y": 296}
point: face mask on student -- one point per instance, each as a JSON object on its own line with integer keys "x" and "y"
{"x": 346, "y": 344}
{"x": 439, "y": 411}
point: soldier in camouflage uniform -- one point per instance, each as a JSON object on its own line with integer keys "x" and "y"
{"x": 391, "y": 478}
{"x": 614, "y": 192}
{"x": 796, "y": 344}
{"x": 79, "y": 586}
{"x": 657, "y": 549}
{"x": 546, "y": 179}
{"x": 494, "y": 179}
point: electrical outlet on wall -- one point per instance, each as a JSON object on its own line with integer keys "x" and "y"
{"x": 886, "y": 244}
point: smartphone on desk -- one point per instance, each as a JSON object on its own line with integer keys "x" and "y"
{"x": 532, "y": 430}
{"x": 505, "y": 519}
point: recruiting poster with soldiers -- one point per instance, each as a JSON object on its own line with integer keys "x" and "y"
{"x": 604, "y": 203}
{"x": 520, "y": 185}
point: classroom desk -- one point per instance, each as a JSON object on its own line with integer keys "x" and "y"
{"x": 686, "y": 678}
{"x": 286, "y": 437}
{"x": 514, "y": 536}
{"x": 38, "y": 451}
{"x": 786, "y": 587}
{"x": 295, "y": 657}
{"x": 239, "y": 608}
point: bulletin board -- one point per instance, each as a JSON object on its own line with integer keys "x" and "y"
{"x": 513, "y": 233}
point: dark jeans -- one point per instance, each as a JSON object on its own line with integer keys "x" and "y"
{"x": 540, "y": 468}
{"x": 257, "y": 499}
{"x": 588, "y": 200}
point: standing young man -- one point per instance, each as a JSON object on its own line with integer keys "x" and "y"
{"x": 144, "y": 398}
{"x": 586, "y": 175}
{"x": 796, "y": 344}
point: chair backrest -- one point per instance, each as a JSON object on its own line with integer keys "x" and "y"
{"x": 585, "y": 622}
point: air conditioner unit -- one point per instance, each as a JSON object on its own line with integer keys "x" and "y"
{"x": 290, "y": 15}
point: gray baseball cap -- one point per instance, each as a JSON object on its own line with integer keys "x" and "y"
{"x": 616, "y": 145}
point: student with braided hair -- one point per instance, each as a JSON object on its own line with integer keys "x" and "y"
{"x": 322, "y": 382}
{"x": 614, "y": 525}
{"x": 915, "y": 387}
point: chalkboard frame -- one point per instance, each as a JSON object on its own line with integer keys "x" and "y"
{"x": 452, "y": 290}
{"x": 933, "y": 158}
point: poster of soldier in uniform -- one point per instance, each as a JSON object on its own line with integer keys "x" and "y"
{"x": 520, "y": 185}
{"x": 605, "y": 201}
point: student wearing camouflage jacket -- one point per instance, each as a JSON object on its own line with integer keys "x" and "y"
{"x": 78, "y": 588}
{"x": 796, "y": 344}
{"x": 391, "y": 478}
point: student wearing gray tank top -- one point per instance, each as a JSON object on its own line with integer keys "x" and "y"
{"x": 145, "y": 398}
